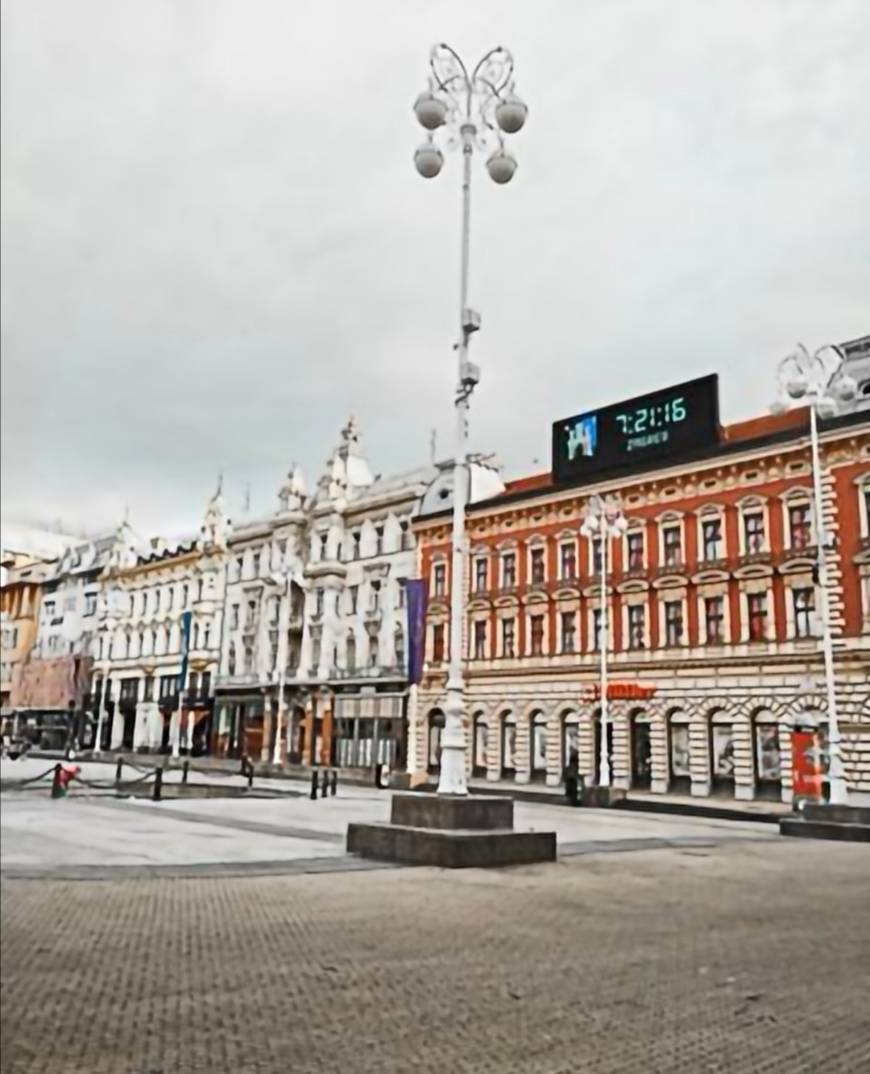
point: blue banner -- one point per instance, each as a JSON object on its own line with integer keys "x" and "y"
{"x": 417, "y": 594}
{"x": 186, "y": 619}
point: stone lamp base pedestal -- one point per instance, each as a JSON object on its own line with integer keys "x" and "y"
{"x": 451, "y": 832}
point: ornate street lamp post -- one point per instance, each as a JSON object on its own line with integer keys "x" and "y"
{"x": 478, "y": 107}
{"x": 603, "y": 519}
{"x": 818, "y": 380}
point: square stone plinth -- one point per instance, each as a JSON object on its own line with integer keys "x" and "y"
{"x": 451, "y": 813}
{"x": 450, "y": 849}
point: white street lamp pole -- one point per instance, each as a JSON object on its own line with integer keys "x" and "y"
{"x": 480, "y": 105}
{"x": 822, "y": 385}
{"x": 604, "y": 519}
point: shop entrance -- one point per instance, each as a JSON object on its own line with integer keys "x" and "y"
{"x": 641, "y": 751}
{"x": 721, "y": 754}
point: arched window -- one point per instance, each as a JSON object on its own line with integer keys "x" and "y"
{"x": 508, "y": 744}
{"x": 435, "y": 727}
{"x": 679, "y": 772}
{"x": 374, "y": 654}
{"x": 767, "y": 755}
{"x": 196, "y": 635}
{"x": 538, "y": 745}
{"x": 479, "y": 744}
{"x": 570, "y": 738}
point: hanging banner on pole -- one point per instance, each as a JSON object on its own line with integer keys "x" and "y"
{"x": 417, "y": 594}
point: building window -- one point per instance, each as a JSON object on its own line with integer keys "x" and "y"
{"x": 569, "y": 632}
{"x": 596, "y": 629}
{"x": 318, "y": 601}
{"x": 508, "y": 570}
{"x": 274, "y": 610}
{"x": 753, "y": 532}
{"x": 234, "y": 617}
{"x": 148, "y": 688}
{"x": 324, "y": 539}
{"x": 185, "y": 594}
{"x": 711, "y": 538}
{"x": 231, "y": 660}
{"x": 401, "y": 596}
{"x": 636, "y": 626}
{"x": 804, "y": 609}
{"x": 757, "y": 608}
{"x": 567, "y": 560}
{"x": 255, "y": 573}
{"x": 439, "y": 579}
{"x": 673, "y": 622}
{"x": 205, "y": 685}
{"x": 480, "y": 639}
{"x": 373, "y": 651}
{"x": 597, "y": 548}
{"x": 399, "y": 647}
{"x": 375, "y": 596}
{"x": 714, "y": 620}
{"x": 315, "y": 653}
{"x": 90, "y": 603}
{"x": 354, "y": 598}
{"x": 350, "y": 652}
{"x": 379, "y": 540}
{"x": 672, "y": 544}
{"x": 480, "y": 574}
{"x": 438, "y": 643}
{"x": 251, "y": 616}
{"x": 49, "y": 608}
{"x": 355, "y": 544}
{"x": 537, "y": 635}
{"x": 508, "y": 629}
{"x": 536, "y": 563}
{"x": 799, "y": 525}
{"x": 404, "y": 535}
{"x": 206, "y": 636}
{"x": 634, "y": 549}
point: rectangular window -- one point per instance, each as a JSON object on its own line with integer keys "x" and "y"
{"x": 318, "y": 601}
{"x": 537, "y": 634}
{"x": 438, "y": 643}
{"x": 439, "y": 579}
{"x": 508, "y": 570}
{"x": 375, "y": 596}
{"x": 714, "y": 620}
{"x": 508, "y": 637}
{"x": 536, "y": 563}
{"x": 804, "y": 609}
{"x": 672, "y": 544}
{"x": 634, "y": 548}
{"x": 596, "y": 629}
{"x": 355, "y": 544}
{"x": 597, "y": 548}
{"x": 148, "y": 689}
{"x": 799, "y": 525}
{"x": 401, "y": 594}
{"x": 757, "y": 609}
{"x": 240, "y": 562}
{"x": 480, "y": 574}
{"x": 324, "y": 540}
{"x": 636, "y": 626}
{"x": 256, "y": 565}
{"x": 274, "y": 610}
{"x": 480, "y": 639}
{"x": 379, "y": 540}
{"x": 205, "y": 685}
{"x": 234, "y": 617}
{"x": 354, "y": 598}
{"x": 251, "y": 615}
{"x": 673, "y": 622}
{"x": 404, "y": 535}
{"x": 711, "y": 538}
{"x": 49, "y": 608}
{"x": 90, "y": 603}
{"x": 753, "y": 532}
{"x": 567, "y": 561}
{"x": 569, "y": 632}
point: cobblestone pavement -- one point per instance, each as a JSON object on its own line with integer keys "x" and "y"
{"x": 743, "y": 957}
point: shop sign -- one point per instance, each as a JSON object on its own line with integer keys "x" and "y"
{"x": 620, "y": 691}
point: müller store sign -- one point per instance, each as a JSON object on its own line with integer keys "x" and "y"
{"x": 620, "y": 691}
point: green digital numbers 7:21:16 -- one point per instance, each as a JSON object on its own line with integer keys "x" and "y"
{"x": 656, "y": 416}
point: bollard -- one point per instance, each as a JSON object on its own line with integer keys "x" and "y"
{"x": 58, "y": 790}
{"x": 325, "y": 785}
{"x": 334, "y": 786}
{"x": 250, "y": 774}
{"x": 185, "y": 768}
{"x": 118, "y": 767}
{"x": 313, "y": 784}
{"x": 158, "y": 786}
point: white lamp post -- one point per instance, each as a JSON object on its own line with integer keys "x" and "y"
{"x": 818, "y": 381}
{"x": 602, "y": 520}
{"x": 477, "y": 107}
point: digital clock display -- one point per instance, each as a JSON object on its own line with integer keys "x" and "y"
{"x": 667, "y": 422}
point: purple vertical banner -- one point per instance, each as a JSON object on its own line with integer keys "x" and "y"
{"x": 417, "y": 596}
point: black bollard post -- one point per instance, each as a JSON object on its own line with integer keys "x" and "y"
{"x": 250, "y": 774}
{"x": 118, "y": 767}
{"x": 325, "y": 784}
{"x": 334, "y": 786}
{"x": 313, "y": 784}
{"x": 185, "y": 768}
{"x": 158, "y": 785}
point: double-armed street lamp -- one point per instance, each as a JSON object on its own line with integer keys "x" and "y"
{"x": 603, "y": 519}
{"x": 478, "y": 107}
{"x": 820, "y": 382}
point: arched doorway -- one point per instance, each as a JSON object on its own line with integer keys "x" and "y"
{"x": 297, "y": 734}
{"x": 641, "y": 750}
{"x": 767, "y": 756}
{"x": 570, "y": 738}
{"x": 679, "y": 771}
{"x": 479, "y": 742}
{"x": 596, "y": 717}
{"x": 538, "y": 747}
{"x": 508, "y": 745}
{"x": 721, "y": 753}
{"x": 435, "y": 728}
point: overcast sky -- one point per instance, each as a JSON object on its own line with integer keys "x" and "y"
{"x": 216, "y": 248}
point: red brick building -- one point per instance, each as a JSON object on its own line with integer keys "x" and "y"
{"x": 714, "y": 651}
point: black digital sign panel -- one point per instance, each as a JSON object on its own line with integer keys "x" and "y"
{"x": 668, "y": 422}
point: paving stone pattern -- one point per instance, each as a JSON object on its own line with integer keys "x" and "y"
{"x": 741, "y": 957}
